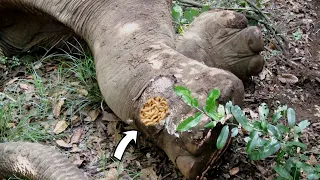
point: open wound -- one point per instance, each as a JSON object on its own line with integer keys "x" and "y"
{"x": 153, "y": 111}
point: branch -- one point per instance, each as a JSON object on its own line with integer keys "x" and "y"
{"x": 193, "y": 3}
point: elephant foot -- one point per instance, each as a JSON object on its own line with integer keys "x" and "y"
{"x": 161, "y": 110}
{"x": 222, "y": 39}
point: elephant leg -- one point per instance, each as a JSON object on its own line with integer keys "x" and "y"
{"x": 222, "y": 39}
{"x": 24, "y": 32}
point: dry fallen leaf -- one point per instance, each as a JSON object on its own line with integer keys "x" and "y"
{"x": 288, "y": 78}
{"x": 12, "y": 81}
{"x": 312, "y": 160}
{"x": 76, "y": 136}
{"x": 262, "y": 169}
{"x": 94, "y": 114}
{"x": 234, "y": 171}
{"x": 111, "y": 128}
{"x": 37, "y": 65}
{"x": 78, "y": 162}
{"x": 62, "y": 143}
{"x": 148, "y": 173}
{"x": 11, "y": 125}
{"x": 108, "y": 116}
{"x": 57, "y": 107}
{"x": 60, "y": 127}
{"x": 75, "y": 149}
{"x": 83, "y": 92}
{"x": 111, "y": 174}
{"x": 50, "y": 67}
{"x": 75, "y": 119}
{"x": 26, "y": 87}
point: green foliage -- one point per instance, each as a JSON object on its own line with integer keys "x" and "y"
{"x": 297, "y": 35}
{"x": 185, "y": 94}
{"x": 274, "y": 135}
{"x": 223, "y": 137}
{"x": 190, "y": 122}
{"x": 182, "y": 17}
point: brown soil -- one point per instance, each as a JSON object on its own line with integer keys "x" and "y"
{"x": 302, "y": 61}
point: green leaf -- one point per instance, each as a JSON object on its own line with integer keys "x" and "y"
{"x": 212, "y": 97}
{"x": 282, "y": 172}
{"x": 190, "y": 14}
{"x": 306, "y": 167}
{"x": 275, "y": 117}
{"x": 185, "y": 94}
{"x": 213, "y": 115}
{"x": 263, "y": 112}
{"x": 257, "y": 125}
{"x": 221, "y": 110}
{"x": 176, "y": 13}
{"x": 223, "y": 137}
{"x": 291, "y": 115}
{"x": 181, "y": 91}
{"x": 297, "y": 35}
{"x": 228, "y": 107}
{"x": 240, "y": 118}
{"x": 263, "y": 115}
{"x": 301, "y": 126}
{"x": 297, "y": 144}
{"x": 266, "y": 151}
{"x": 243, "y": 4}
{"x": 252, "y": 144}
{"x": 274, "y": 130}
{"x": 283, "y": 129}
{"x": 234, "y": 131}
{"x": 190, "y": 122}
{"x": 313, "y": 176}
{"x": 280, "y": 112}
{"x": 288, "y": 163}
{"x": 205, "y": 8}
{"x": 211, "y": 124}
{"x": 295, "y": 172}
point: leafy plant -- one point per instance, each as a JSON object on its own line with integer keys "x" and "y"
{"x": 297, "y": 35}
{"x": 184, "y": 16}
{"x": 270, "y": 135}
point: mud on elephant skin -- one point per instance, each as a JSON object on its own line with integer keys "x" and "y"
{"x": 133, "y": 44}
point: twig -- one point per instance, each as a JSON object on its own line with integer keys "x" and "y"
{"x": 193, "y": 3}
{"x": 275, "y": 32}
{"x": 7, "y": 96}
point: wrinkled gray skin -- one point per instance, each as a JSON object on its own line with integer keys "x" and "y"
{"x": 133, "y": 44}
{"x": 35, "y": 161}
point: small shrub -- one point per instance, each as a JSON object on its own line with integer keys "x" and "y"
{"x": 277, "y": 134}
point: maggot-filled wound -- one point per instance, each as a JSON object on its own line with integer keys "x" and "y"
{"x": 153, "y": 111}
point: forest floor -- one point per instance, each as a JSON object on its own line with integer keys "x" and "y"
{"x": 84, "y": 128}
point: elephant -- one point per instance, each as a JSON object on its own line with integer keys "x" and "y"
{"x": 138, "y": 61}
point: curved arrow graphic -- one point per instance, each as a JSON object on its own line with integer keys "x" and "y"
{"x": 122, "y": 145}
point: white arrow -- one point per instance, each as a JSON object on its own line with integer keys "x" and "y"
{"x": 122, "y": 145}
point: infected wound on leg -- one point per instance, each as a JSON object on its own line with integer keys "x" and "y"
{"x": 153, "y": 111}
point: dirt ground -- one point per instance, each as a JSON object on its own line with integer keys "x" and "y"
{"x": 98, "y": 138}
